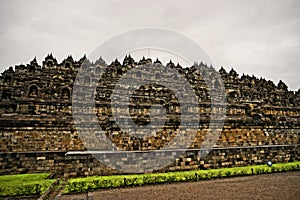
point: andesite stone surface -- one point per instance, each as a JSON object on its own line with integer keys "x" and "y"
{"x": 36, "y": 116}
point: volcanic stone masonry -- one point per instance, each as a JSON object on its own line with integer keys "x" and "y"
{"x": 36, "y": 113}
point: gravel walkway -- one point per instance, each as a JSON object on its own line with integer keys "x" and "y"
{"x": 268, "y": 186}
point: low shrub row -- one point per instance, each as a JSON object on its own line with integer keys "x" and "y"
{"x": 24, "y": 184}
{"x": 25, "y": 189}
{"x": 78, "y": 185}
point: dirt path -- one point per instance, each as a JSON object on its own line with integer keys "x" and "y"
{"x": 268, "y": 186}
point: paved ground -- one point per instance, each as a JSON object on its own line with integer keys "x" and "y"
{"x": 269, "y": 186}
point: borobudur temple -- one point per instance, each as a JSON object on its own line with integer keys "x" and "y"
{"x": 38, "y": 132}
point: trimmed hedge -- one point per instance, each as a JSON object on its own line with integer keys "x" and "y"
{"x": 77, "y": 185}
{"x": 24, "y": 184}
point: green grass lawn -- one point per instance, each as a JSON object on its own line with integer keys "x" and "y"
{"x": 76, "y": 185}
{"x": 24, "y": 184}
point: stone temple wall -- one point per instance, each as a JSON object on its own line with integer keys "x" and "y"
{"x": 36, "y": 109}
{"x": 73, "y": 164}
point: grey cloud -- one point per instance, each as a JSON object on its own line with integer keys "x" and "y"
{"x": 255, "y": 37}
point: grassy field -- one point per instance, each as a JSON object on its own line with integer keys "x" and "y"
{"x": 77, "y": 185}
{"x": 24, "y": 184}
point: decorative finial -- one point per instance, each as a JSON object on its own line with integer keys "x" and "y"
{"x": 33, "y": 61}
{"x": 100, "y": 61}
{"x": 70, "y": 58}
{"x": 157, "y": 61}
{"x": 116, "y": 62}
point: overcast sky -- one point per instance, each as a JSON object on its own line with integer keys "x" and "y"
{"x": 255, "y": 37}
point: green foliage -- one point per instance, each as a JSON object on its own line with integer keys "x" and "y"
{"x": 76, "y": 185}
{"x": 24, "y": 184}
{"x": 21, "y": 178}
